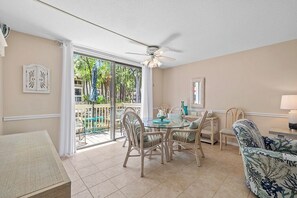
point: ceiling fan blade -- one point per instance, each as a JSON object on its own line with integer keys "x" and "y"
{"x": 161, "y": 51}
{"x": 165, "y": 58}
{"x": 139, "y": 54}
{"x": 170, "y": 39}
{"x": 174, "y": 50}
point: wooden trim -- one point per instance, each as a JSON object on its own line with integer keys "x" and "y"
{"x": 260, "y": 114}
{"x": 30, "y": 117}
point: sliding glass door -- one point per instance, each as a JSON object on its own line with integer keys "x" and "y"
{"x": 127, "y": 92}
{"x": 103, "y": 89}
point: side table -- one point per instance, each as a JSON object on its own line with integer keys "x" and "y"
{"x": 284, "y": 133}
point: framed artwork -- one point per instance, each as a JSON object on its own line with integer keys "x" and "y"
{"x": 36, "y": 79}
{"x": 197, "y": 93}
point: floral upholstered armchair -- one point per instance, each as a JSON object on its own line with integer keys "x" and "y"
{"x": 270, "y": 164}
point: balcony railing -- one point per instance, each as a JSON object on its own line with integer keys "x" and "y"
{"x": 98, "y": 115}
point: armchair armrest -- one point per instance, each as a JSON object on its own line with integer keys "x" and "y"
{"x": 281, "y": 145}
{"x": 250, "y": 151}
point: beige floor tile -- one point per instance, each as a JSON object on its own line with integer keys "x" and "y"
{"x": 73, "y": 175}
{"x": 83, "y": 194}
{"x": 200, "y": 190}
{"x": 103, "y": 189}
{"x": 123, "y": 179}
{"x": 89, "y": 170}
{"x": 233, "y": 187}
{"x": 77, "y": 186}
{"x": 252, "y": 195}
{"x": 114, "y": 171}
{"x": 117, "y": 194}
{"x": 165, "y": 190}
{"x": 105, "y": 164}
{"x": 82, "y": 164}
{"x": 185, "y": 194}
{"x": 139, "y": 188}
{"x": 103, "y": 175}
{"x": 94, "y": 179}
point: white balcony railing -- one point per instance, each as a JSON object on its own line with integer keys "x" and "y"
{"x": 98, "y": 115}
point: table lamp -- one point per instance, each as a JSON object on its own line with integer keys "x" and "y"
{"x": 289, "y": 102}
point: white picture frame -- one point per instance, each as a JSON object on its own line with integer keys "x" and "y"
{"x": 36, "y": 79}
{"x": 197, "y": 92}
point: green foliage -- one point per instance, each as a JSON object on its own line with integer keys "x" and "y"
{"x": 101, "y": 100}
{"x": 127, "y": 81}
{"x": 86, "y": 98}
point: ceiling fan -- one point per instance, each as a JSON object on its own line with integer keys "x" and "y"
{"x": 155, "y": 56}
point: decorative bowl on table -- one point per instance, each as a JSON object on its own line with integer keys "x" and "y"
{"x": 162, "y": 118}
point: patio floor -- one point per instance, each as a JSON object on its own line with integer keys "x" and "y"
{"x": 95, "y": 138}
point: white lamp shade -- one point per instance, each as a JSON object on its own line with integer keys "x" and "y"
{"x": 289, "y": 102}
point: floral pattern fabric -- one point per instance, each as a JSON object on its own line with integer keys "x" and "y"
{"x": 270, "y": 171}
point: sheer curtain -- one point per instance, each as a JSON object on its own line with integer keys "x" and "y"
{"x": 147, "y": 93}
{"x": 67, "y": 121}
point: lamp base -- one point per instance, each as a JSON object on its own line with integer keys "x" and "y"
{"x": 293, "y": 119}
{"x": 293, "y": 126}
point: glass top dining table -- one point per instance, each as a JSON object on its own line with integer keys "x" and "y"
{"x": 167, "y": 126}
{"x": 151, "y": 123}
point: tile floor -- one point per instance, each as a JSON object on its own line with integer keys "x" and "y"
{"x": 98, "y": 172}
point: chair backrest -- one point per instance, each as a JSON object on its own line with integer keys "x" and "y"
{"x": 127, "y": 109}
{"x": 247, "y": 134}
{"x": 175, "y": 114}
{"x": 177, "y": 110}
{"x": 198, "y": 133}
{"x": 232, "y": 115}
{"x": 134, "y": 128}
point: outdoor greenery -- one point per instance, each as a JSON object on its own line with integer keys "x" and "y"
{"x": 127, "y": 81}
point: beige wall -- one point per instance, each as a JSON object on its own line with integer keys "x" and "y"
{"x": 253, "y": 80}
{"x": 25, "y": 49}
{"x": 1, "y": 96}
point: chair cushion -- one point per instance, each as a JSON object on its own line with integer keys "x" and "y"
{"x": 182, "y": 137}
{"x": 152, "y": 140}
{"x": 247, "y": 134}
{"x": 193, "y": 125}
{"x": 137, "y": 128}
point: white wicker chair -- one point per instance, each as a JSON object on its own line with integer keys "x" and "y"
{"x": 181, "y": 139}
{"x": 127, "y": 109}
{"x": 232, "y": 115}
{"x": 143, "y": 142}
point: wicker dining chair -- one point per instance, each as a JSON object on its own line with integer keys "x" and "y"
{"x": 143, "y": 142}
{"x": 127, "y": 109}
{"x": 188, "y": 139}
{"x": 231, "y": 116}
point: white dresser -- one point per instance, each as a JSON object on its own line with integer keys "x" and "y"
{"x": 31, "y": 167}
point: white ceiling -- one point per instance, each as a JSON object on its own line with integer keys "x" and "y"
{"x": 194, "y": 29}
